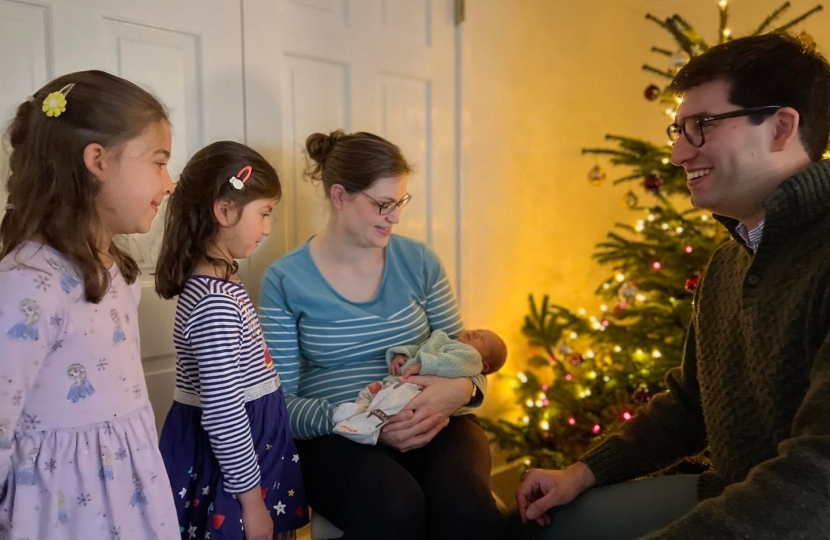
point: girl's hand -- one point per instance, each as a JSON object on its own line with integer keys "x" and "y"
{"x": 256, "y": 519}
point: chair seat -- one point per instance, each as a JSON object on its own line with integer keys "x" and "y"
{"x": 322, "y": 529}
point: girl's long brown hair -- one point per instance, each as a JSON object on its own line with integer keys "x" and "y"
{"x": 191, "y": 225}
{"x": 51, "y": 194}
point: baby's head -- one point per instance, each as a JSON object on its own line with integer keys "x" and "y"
{"x": 490, "y": 346}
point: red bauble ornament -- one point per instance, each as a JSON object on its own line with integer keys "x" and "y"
{"x": 653, "y": 183}
{"x": 691, "y": 283}
{"x": 641, "y": 394}
{"x": 652, "y": 92}
{"x": 577, "y": 360}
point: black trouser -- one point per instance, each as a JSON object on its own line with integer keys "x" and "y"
{"x": 441, "y": 491}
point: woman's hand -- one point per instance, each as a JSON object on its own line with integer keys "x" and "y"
{"x": 428, "y": 413}
{"x": 439, "y": 394}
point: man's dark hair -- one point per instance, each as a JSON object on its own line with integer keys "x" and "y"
{"x": 770, "y": 69}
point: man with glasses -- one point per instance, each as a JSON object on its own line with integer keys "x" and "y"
{"x": 754, "y": 386}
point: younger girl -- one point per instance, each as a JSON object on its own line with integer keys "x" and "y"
{"x": 226, "y": 441}
{"x": 88, "y": 161}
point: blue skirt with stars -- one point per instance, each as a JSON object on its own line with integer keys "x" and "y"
{"x": 204, "y": 508}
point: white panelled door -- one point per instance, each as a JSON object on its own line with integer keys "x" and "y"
{"x": 384, "y": 66}
{"x": 187, "y": 52}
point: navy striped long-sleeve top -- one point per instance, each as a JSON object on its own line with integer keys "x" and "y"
{"x": 220, "y": 355}
{"x": 327, "y": 348}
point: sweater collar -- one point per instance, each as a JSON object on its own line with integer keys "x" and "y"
{"x": 798, "y": 201}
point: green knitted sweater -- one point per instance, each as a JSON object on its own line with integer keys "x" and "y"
{"x": 754, "y": 386}
{"x": 439, "y": 355}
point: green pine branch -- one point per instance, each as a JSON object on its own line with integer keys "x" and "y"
{"x": 771, "y": 18}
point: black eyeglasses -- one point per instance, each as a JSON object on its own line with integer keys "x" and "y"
{"x": 692, "y": 127}
{"x": 386, "y": 208}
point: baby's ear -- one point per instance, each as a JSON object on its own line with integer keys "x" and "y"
{"x": 485, "y": 368}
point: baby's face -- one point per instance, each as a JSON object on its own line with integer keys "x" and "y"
{"x": 489, "y": 346}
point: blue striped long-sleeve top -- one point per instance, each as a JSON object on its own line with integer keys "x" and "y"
{"x": 220, "y": 354}
{"x": 327, "y": 348}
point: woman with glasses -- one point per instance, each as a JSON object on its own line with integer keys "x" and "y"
{"x": 330, "y": 310}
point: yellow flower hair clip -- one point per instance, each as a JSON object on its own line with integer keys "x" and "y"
{"x": 55, "y": 103}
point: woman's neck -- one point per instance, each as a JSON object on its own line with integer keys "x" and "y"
{"x": 337, "y": 247}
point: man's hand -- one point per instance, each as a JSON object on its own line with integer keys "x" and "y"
{"x": 541, "y": 490}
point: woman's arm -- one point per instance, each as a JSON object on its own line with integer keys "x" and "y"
{"x": 428, "y": 413}
{"x": 309, "y": 417}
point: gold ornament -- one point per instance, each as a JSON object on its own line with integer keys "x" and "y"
{"x": 596, "y": 176}
{"x": 806, "y": 40}
{"x": 630, "y": 199}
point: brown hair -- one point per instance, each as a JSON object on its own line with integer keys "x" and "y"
{"x": 51, "y": 193}
{"x": 354, "y": 161}
{"x": 190, "y": 225}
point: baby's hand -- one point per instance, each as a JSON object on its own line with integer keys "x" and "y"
{"x": 396, "y": 364}
{"x": 414, "y": 370}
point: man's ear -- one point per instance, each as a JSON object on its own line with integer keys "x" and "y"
{"x": 785, "y": 122}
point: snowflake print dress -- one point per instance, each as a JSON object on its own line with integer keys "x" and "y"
{"x": 227, "y": 432}
{"x": 78, "y": 453}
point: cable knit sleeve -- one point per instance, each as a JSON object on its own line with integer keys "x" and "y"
{"x": 670, "y": 428}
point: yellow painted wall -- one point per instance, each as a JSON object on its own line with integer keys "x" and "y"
{"x": 543, "y": 79}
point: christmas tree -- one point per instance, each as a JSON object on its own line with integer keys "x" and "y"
{"x": 593, "y": 372}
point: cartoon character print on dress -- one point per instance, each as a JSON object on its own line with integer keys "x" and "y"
{"x": 138, "y": 495}
{"x": 26, "y": 330}
{"x": 61, "y": 504}
{"x": 6, "y": 433}
{"x": 26, "y": 473}
{"x": 68, "y": 281}
{"x": 106, "y": 464}
{"x": 118, "y": 334}
{"x": 269, "y": 362}
{"x": 80, "y": 388}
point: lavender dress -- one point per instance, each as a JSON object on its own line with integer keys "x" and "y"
{"x": 78, "y": 450}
